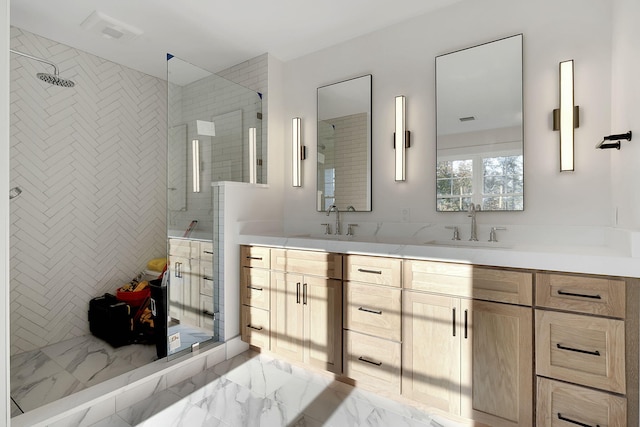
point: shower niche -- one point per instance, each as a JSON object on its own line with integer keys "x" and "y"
{"x": 214, "y": 135}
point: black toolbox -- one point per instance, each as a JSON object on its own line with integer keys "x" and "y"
{"x": 111, "y": 320}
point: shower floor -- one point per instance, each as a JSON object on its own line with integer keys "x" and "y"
{"x": 42, "y": 376}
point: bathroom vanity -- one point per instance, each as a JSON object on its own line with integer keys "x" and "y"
{"x": 502, "y": 345}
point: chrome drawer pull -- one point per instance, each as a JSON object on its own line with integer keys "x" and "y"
{"x": 208, "y": 252}
{"x": 578, "y": 423}
{"x": 254, "y": 288}
{"x": 259, "y": 328}
{"x": 571, "y": 294}
{"x": 207, "y": 278}
{"x": 368, "y": 310}
{"x": 364, "y": 359}
{"x": 362, "y": 270}
{"x": 592, "y": 353}
{"x": 257, "y": 258}
{"x": 208, "y": 313}
{"x": 298, "y": 293}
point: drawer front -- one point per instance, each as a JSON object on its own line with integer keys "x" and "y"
{"x": 593, "y": 295}
{"x": 323, "y": 264}
{"x": 254, "y": 288}
{"x": 561, "y": 404}
{"x": 376, "y": 270}
{"x": 254, "y": 256}
{"x": 206, "y": 278}
{"x": 463, "y": 280}
{"x": 581, "y": 349}
{"x": 206, "y": 252}
{"x": 180, "y": 247}
{"x": 255, "y": 327}
{"x": 374, "y": 310}
{"x": 373, "y": 361}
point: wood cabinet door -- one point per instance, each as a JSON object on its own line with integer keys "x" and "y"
{"x": 497, "y": 363}
{"x": 431, "y": 350}
{"x": 179, "y": 279}
{"x": 191, "y": 293}
{"x": 287, "y": 327}
{"x": 322, "y": 302}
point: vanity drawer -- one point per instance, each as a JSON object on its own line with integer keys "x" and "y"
{"x": 583, "y": 294}
{"x": 255, "y": 256}
{"x": 206, "y": 278}
{"x": 254, "y": 287}
{"x": 206, "y": 252}
{"x": 375, "y": 310}
{"x": 254, "y": 326}
{"x": 323, "y": 264}
{"x": 463, "y": 280}
{"x": 581, "y": 349}
{"x": 376, "y": 270}
{"x": 373, "y": 361}
{"x": 561, "y": 404}
{"x": 181, "y": 248}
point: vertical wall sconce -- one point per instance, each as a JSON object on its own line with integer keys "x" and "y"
{"x": 298, "y": 151}
{"x": 567, "y": 117}
{"x": 252, "y": 156}
{"x": 195, "y": 159}
{"x": 401, "y": 138}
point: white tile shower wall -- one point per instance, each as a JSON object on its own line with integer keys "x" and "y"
{"x": 90, "y": 161}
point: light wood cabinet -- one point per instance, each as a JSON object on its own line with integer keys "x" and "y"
{"x": 587, "y": 337}
{"x": 561, "y": 404}
{"x": 306, "y": 319}
{"x": 373, "y": 361}
{"x": 255, "y": 296}
{"x": 469, "y": 357}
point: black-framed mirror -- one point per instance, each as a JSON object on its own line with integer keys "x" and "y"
{"x": 344, "y": 145}
{"x": 480, "y": 127}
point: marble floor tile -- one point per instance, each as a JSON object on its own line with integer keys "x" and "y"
{"x": 262, "y": 379}
{"x": 112, "y": 421}
{"x": 159, "y": 403}
{"x": 15, "y": 410}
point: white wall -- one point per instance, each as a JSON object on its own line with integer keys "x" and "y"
{"x": 401, "y": 60}
{"x": 4, "y": 213}
{"x": 625, "y": 112}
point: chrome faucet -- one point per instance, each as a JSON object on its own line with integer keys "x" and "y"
{"x": 472, "y": 214}
{"x": 335, "y": 209}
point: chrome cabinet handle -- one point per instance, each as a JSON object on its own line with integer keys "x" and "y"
{"x": 257, "y": 258}
{"x": 576, "y": 350}
{"x": 208, "y": 313}
{"x": 369, "y": 310}
{"x": 363, "y": 270}
{"x": 207, "y": 278}
{"x": 178, "y": 270}
{"x": 364, "y": 359}
{"x": 208, "y": 252}
{"x": 571, "y": 294}
{"x": 254, "y": 288}
{"x": 259, "y": 328}
{"x": 578, "y": 423}
{"x": 298, "y": 293}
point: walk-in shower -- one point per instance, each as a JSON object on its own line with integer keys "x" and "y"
{"x": 54, "y": 78}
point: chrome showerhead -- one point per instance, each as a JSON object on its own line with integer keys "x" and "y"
{"x": 55, "y": 80}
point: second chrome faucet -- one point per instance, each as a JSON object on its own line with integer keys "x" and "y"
{"x": 474, "y": 228}
{"x": 335, "y": 209}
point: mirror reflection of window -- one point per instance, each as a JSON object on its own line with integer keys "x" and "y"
{"x": 480, "y": 128}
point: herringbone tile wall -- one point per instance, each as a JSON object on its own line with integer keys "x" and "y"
{"x": 91, "y": 161}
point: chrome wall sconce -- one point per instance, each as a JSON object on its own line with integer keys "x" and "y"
{"x": 298, "y": 152}
{"x": 616, "y": 137}
{"x": 195, "y": 163}
{"x": 567, "y": 117}
{"x": 401, "y": 138}
{"x": 252, "y": 156}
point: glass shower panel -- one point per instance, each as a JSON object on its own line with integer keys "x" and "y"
{"x": 210, "y": 120}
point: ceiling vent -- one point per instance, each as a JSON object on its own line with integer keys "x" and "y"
{"x": 110, "y": 28}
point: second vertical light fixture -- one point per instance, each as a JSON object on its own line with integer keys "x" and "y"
{"x": 566, "y": 118}
{"x": 401, "y": 138}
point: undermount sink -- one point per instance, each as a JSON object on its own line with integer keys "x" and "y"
{"x": 468, "y": 244}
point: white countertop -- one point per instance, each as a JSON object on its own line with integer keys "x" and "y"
{"x": 577, "y": 259}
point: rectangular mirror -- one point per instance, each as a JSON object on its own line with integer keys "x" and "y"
{"x": 479, "y": 145}
{"x": 344, "y": 145}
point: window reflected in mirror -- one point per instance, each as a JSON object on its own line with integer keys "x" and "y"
{"x": 480, "y": 155}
